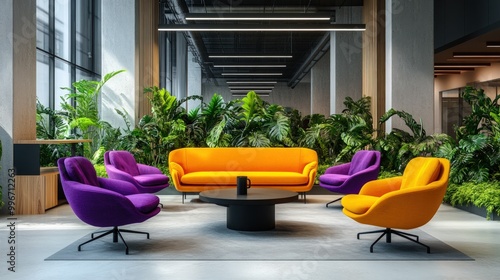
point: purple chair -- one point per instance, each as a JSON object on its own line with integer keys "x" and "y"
{"x": 348, "y": 178}
{"x": 104, "y": 202}
{"x": 121, "y": 165}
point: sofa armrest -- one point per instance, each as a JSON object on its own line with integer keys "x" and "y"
{"x": 176, "y": 172}
{"x": 312, "y": 166}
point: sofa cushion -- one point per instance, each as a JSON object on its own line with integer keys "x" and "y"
{"x": 144, "y": 202}
{"x": 256, "y": 178}
{"x": 151, "y": 179}
{"x": 333, "y": 179}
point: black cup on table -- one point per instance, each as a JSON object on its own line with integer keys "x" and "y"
{"x": 242, "y": 184}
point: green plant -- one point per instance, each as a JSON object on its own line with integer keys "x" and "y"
{"x": 481, "y": 119}
{"x": 483, "y": 195}
{"x": 80, "y": 106}
{"x": 399, "y": 146}
{"x": 338, "y": 137}
{"x": 51, "y": 125}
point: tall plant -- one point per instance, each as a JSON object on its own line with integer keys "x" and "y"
{"x": 339, "y": 136}
{"x": 81, "y": 108}
{"x": 474, "y": 156}
{"x": 400, "y": 146}
{"x": 50, "y": 124}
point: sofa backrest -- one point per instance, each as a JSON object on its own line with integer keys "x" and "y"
{"x": 363, "y": 159}
{"x": 124, "y": 161}
{"x": 247, "y": 159}
{"x": 81, "y": 170}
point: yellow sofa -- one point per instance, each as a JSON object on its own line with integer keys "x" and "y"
{"x": 199, "y": 169}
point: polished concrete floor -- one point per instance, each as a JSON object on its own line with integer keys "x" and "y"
{"x": 39, "y": 236}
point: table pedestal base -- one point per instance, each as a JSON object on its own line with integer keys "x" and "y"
{"x": 250, "y": 217}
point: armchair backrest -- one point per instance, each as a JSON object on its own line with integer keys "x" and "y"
{"x": 364, "y": 159}
{"x": 421, "y": 171}
{"x": 79, "y": 169}
{"x": 124, "y": 161}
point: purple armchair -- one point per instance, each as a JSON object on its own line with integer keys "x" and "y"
{"x": 348, "y": 178}
{"x": 104, "y": 202}
{"x": 121, "y": 165}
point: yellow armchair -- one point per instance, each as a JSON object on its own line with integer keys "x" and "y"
{"x": 405, "y": 202}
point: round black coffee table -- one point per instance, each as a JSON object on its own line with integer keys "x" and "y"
{"x": 251, "y": 212}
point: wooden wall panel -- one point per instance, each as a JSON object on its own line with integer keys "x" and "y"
{"x": 148, "y": 54}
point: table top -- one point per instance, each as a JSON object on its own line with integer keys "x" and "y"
{"x": 255, "y": 196}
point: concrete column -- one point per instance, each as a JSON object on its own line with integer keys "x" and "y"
{"x": 18, "y": 80}
{"x": 345, "y": 61}
{"x": 119, "y": 51}
{"x": 130, "y": 42}
{"x": 180, "y": 87}
{"x": 409, "y": 61}
{"x": 320, "y": 86}
{"x": 193, "y": 81}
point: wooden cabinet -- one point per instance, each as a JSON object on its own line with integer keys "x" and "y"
{"x": 37, "y": 193}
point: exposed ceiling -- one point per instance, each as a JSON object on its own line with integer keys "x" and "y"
{"x": 299, "y": 50}
{"x": 469, "y": 53}
{"x": 302, "y": 49}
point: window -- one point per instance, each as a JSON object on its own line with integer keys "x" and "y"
{"x": 68, "y": 46}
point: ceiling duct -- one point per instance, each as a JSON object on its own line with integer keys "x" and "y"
{"x": 180, "y": 9}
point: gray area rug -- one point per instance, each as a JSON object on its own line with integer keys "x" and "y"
{"x": 197, "y": 232}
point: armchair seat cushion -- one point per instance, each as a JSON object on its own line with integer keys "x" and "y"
{"x": 358, "y": 204}
{"x": 151, "y": 179}
{"x": 144, "y": 202}
{"x": 333, "y": 179}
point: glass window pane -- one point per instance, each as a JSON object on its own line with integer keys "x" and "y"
{"x": 62, "y": 24}
{"x": 42, "y": 78}
{"x": 84, "y": 34}
{"x": 42, "y": 24}
{"x": 62, "y": 77}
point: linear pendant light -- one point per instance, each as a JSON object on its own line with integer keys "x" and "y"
{"x": 251, "y": 74}
{"x": 251, "y": 82}
{"x": 259, "y": 16}
{"x": 248, "y": 56}
{"x": 476, "y": 55}
{"x": 493, "y": 44}
{"x": 251, "y": 66}
{"x": 274, "y": 27}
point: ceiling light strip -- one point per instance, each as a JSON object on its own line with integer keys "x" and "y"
{"x": 256, "y": 91}
{"x": 252, "y": 74}
{"x": 248, "y": 56}
{"x": 493, "y": 44}
{"x": 476, "y": 55}
{"x": 259, "y": 16}
{"x": 243, "y": 95}
{"x": 252, "y": 66}
{"x": 463, "y": 65}
{"x": 251, "y": 87}
{"x": 251, "y": 82}
{"x": 277, "y": 27}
